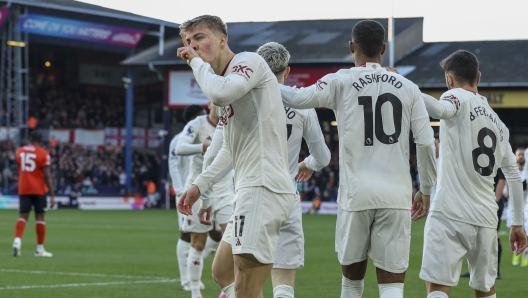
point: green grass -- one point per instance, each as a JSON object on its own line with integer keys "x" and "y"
{"x": 132, "y": 254}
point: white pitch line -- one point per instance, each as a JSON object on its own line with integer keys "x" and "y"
{"x": 81, "y": 274}
{"x": 88, "y": 284}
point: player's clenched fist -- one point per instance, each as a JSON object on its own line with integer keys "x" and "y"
{"x": 186, "y": 52}
{"x": 188, "y": 199}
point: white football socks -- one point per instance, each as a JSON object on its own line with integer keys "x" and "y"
{"x": 229, "y": 291}
{"x": 351, "y": 288}
{"x": 182, "y": 252}
{"x": 194, "y": 269}
{"x": 210, "y": 247}
{"x": 437, "y": 294}
{"x": 392, "y": 290}
{"x": 283, "y": 291}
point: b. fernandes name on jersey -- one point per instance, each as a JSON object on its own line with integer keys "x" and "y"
{"x": 481, "y": 111}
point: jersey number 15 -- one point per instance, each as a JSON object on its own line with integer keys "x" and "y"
{"x": 27, "y": 162}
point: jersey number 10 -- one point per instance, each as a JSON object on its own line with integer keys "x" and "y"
{"x": 27, "y": 162}
{"x": 370, "y": 126}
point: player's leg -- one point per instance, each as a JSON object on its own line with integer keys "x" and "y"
{"x": 222, "y": 211}
{"x": 24, "y": 208}
{"x": 182, "y": 253}
{"x": 195, "y": 262}
{"x": 352, "y": 243}
{"x": 290, "y": 254}
{"x": 258, "y": 216}
{"x": 482, "y": 262}
{"x": 223, "y": 264}
{"x": 446, "y": 243}
{"x": 390, "y": 243}
{"x": 40, "y": 203}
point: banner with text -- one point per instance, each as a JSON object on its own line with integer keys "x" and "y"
{"x": 80, "y": 30}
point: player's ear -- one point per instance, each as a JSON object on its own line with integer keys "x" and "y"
{"x": 351, "y": 46}
{"x": 223, "y": 40}
{"x": 383, "y": 48}
{"x": 286, "y": 72}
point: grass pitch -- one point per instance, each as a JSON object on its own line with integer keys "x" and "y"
{"x": 132, "y": 254}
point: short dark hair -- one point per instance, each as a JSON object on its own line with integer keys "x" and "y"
{"x": 463, "y": 65}
{"x": 191, "y": 111}
{"x": 368, "y": 37}
{"x": 211, "y": 22}
{"x": 35, "y": 137}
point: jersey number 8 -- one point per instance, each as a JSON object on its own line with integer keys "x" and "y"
{"x": 482, "y": 149}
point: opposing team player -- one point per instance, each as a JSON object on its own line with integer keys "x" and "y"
{"x": 34, "y": 182}
{"x": 375, "y": 110}
{"x": 300, "y": 124}
{"x": 179, "y": 171}
{"x": 254, "y": 144}
{"x": 194, "y": 141}
{"x": 474, "y": 145}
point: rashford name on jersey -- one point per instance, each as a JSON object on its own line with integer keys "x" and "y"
{"x": 376, "y": 78}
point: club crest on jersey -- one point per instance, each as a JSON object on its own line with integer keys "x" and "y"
{"x": 243, "y": 70}
{"x": 190, "y": 131}
{"x": 453, "y": 99}
{"x": 320, "y": 85}
{"x": 227, "y": 112}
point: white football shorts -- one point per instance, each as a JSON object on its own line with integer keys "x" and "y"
{"x": 290, "y": 248}
{"x": 447, "y": 242}
{"x": 384, "y": 235}
{"x": 222, "y": 211}
{"x": 181, "y": 217}
{"x": 256, "y": 222}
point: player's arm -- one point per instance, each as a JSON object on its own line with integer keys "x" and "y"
{"x": 212, "y": 152}
{"x": 320, "y": 94}
{"x": 186, "y": 142}
{"x": 425, "y": 153}
{"x": 445, "y": 108}
{"x": 223, "y": 91}
{"x": 220, "y": 166}
{"x": 174, "y": 170}
{"x": 509, "y": 167}
{"x": 47, "y": 179}
{"x": 319, "y": 153}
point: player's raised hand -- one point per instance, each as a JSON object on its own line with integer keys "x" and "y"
{"x": 517, "y": 240}
{"x": 205, "y": 216}
{"x": 186, "y": 52}
{"x": 420, "y": 206}
{"x": 388, "y": 68}
{"x": 187, "y": 200}
{"x": 304, "y": 173}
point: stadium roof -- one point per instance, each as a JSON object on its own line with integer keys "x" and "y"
{"x": 502, "y": 63}
{"x": 312, "y": 41}
{"x": 85, "y": 8}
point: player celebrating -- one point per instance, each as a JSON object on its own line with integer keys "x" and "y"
{"x": 179, "y": 171}
{"x": 34, "y": 182}
{"x": 254, "y": 144}
{"x": 474, "y": 145}
{"x": 300, "y": 124}
{"x": 375, "y": 110}
{"x": 194, "y": 142}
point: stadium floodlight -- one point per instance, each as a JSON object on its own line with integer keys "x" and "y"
{"x": 14, "y": 43}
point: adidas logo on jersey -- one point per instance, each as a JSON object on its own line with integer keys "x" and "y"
{"x": 238, "y": 242}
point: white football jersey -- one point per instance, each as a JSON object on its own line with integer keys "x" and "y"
{"x": 195, "y": 133}
{"x": 375, "y": 111}
{"x": 178, "y": 167}
{"x": 254, "y": 124}
{"x": 474, "y": 144}
{"x": 304, "y": 124}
